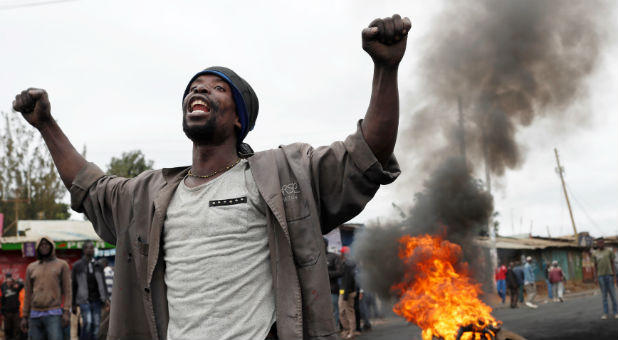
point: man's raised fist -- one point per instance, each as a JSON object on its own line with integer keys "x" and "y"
{"x": 34, "y": 106}
{"x": 385, "y": 39}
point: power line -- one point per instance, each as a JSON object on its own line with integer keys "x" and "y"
{"x": 580, "y": 204}
{"x": 32, "y": 4}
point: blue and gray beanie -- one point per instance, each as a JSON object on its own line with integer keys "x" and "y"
{"x": 246, "y": 101}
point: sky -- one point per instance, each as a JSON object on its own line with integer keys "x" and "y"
{"x": 115, "y": 72}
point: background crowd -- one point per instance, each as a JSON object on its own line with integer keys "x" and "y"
{"x": 519, "y": 281}
{"x": 40, "y": 306}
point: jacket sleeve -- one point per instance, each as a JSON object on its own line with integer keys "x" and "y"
{"x": 103, "y": 288}
{"x": 337, "y": 270}
{"x": 105, "y": 200}
{"x": 66, "y": 287}
{"x": 346, "y": 281}
{"x": 346, "y": 175}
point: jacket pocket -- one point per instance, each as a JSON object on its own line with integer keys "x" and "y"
{"x": 296, "y": 210}
{"x": 302, "y": 233}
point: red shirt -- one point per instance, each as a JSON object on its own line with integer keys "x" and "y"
{"x": 501, "y": 273}
{"x": 555, "y": 275}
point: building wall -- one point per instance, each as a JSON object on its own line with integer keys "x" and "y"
{"x": 562, "y": 256}
{"x": 575, "y": 265}
{"x": 12, "y": 261}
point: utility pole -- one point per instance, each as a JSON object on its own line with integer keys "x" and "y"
{"x": 493, "y": 251}
{"x": 560, "y": 171}
{"x": 16, "y": 201}
{"x": 462, "y": 136}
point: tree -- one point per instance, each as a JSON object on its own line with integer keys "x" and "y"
{"x": 130, "y": 164}
{"x": 30, "y": 187}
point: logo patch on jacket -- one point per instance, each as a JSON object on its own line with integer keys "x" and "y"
{"x": 229, "y": 201}
{"x": 290, "y": 191}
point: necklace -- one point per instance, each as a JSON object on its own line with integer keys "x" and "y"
{"x": 214, "y": 172}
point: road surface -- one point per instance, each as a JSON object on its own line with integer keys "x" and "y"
{"x": 576, "y": 318}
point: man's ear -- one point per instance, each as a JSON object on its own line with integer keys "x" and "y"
{"x": 237, "y": 123}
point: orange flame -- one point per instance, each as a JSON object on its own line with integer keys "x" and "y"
{"x": 437, "y": 297}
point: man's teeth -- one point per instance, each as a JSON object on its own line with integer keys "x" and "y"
{"x": 201, "y": 103}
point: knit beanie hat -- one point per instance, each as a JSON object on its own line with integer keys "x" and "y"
{"x": 246, "y": 101}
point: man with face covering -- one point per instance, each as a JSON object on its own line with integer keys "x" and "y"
{"x": 231, "y": 246}
{"x": 47, "y": 297}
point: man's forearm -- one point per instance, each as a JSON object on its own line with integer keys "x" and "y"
{"x": 68, "y": 161}
{"x": 382, "y": 118}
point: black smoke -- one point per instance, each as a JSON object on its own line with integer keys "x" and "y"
{"x": 453, "y": 205}
{"x": 509, "y": 62}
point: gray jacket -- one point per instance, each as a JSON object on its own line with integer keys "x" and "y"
{"x": 79, "y": 281}
{"x": 308, "y": 192}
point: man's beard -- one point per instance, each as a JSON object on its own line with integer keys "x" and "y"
{"x": 202, "y": 134}
{"x": 205, "y": 133}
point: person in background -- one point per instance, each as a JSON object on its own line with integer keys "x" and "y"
{"x": 357, "y": 302}
{"x": 529, "y": 283}
{"x": 604, "y": 275}
{"x": 547, "y": 268}
{"x": 335, "y": 271}
{"x": 519, "y": 273}
{"x": 556, "y": 279}
{"x": 500, "y": 276}
{"x": 89, "y": 291}
{"x": 108, "y": 273}
{"x": 47, "y": 284}
{"x": 22, "y": 335}
{"x": 616, "y": 267}
{"x": 10, "y": 306}
{"x": 367, "y": 304}
{"x": 512, "y": 283}
{"x": 347, "y": 293}
{"x": 371, "y": 305}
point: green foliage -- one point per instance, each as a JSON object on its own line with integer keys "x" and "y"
{"x": 28, "y": 178}
{"x": 130, "y": 164}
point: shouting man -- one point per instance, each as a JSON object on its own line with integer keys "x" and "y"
{"x": 231, "y": 246}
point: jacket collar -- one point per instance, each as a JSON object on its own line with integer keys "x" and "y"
{"x": 174, "y": 175}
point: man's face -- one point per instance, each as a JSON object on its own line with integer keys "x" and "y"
{"x": 10, "y": 281}
{"x": 209, "y": 111}
{"x": 600, "y": 244}
{"x": 45, "y": 248}
{"x": 89, "y": 250}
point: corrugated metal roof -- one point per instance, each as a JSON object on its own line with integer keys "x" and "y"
{"x": 58, "y": 230}
{"x": 524, "y": 243}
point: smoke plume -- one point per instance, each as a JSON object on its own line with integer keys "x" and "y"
{"x": 503, "y": 64}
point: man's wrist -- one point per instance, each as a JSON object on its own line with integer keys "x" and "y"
{"x": 382, "y": 67}
{"x": 45, "y": 124}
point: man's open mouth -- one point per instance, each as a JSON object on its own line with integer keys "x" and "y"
{"x": 198, "y": 105}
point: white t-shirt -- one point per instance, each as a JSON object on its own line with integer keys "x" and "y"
{"x": 218, "y": 272}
